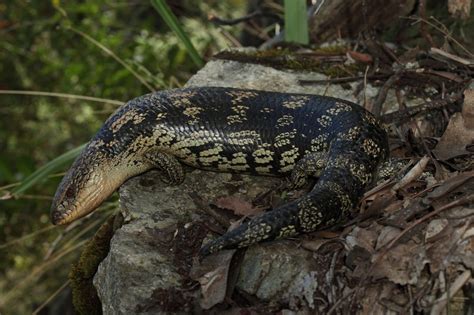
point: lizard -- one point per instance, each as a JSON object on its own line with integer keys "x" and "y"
{"x": 263, "y": 133}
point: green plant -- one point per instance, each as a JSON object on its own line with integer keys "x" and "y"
{"x": 45, "y": 170}
{"x": 173, "y": 23}
{"x": 296, "y": 22}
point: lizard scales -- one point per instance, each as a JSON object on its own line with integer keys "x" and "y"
{"x": 234, "y": 130}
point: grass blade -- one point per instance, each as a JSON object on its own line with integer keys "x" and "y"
{"x": 113, "y": 55}
{"x": 172, "y": 22}
{"x": 63, "y": 95}
{"x": 296, "y": 22}
{"x": 50, "y": 167}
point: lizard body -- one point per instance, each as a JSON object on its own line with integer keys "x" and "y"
{"x": 234, "y": 130}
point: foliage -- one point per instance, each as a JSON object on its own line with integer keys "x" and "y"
{"x": 173, "y": 23}
{"x": 68, "y": 47}
{"x": 296, "y": 23}
{"x": 49, "y": 167}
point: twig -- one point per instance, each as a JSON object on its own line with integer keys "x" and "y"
{"x": 423, "y": 29}
{"x": 344, "y": 79}
{"x": 62, "y": 95}
{"x": 445, "y": 54}
{"x": 335, "y": 306}
{"x": 365, "y": 86}
{"x": 330, "y": 276}
{"x": 414, "y": 173}
{"x": 447, "y": 206}
{"x": 314, "y": 10}
{"x": 199, "y": 202}
{"x": 440, "y": 304}
{"x": 51, "y": 297}
{"x": 378, "y": 259}
{"x": 444, "y": 32}
{"x": 402, "y": 115}
{"x": 382, "y": 95}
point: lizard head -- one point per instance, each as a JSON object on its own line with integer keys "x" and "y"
{"x": 84, "y": 187}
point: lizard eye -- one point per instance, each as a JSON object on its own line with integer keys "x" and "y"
{"x": 70, "y": 192}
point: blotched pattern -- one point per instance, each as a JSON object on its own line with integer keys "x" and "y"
{"x": 234, "y": 130}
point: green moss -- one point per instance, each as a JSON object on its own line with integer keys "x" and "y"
{"x": 332, "y": 50}
{"x": 342, "y": 70}
{"x": 276, "y": 58}
{"x": 286, "y": 59}
{"x": 84, "y": 294}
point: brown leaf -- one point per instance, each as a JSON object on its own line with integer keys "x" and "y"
{"x": 460, "y": 131}
{"x": 449, "y": 185}
{"x": 468, "y": 108}
{"x": 238, "y": 205}
{"x": 315, "y": 244}
{"x": 435, "y": 229}
{"x": 363, "y": 238}
{"x": 402, "y": 264}
{"x": 361, "y": 57}
{"x": 375, "y": 201}
{"x": 387, "y": 234}
{"x": 212, "y": 275}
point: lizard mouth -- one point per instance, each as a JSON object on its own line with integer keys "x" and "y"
{"x": 91, "y": 197}
{"x": 61, "y": 216}
{"x": 58, "y": 218}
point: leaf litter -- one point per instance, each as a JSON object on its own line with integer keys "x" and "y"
{"x": 411, "y": 246}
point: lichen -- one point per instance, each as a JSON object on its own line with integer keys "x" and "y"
{"x": 84, "y": 294}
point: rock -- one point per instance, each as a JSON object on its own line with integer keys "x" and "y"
{"x": 151, "y": 254}
{"x": 253, "y": 76}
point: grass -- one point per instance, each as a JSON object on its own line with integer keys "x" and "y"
{"x": 296, "y": 22}
{"x": 43, "y": 172}
{"x": 173, "y": 23}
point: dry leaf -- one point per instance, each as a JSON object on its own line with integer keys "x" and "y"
{"x": 314, "y": 244}
{"x": 361, "y": 57}
{"x": 238, "y": 205}
{"x": 468, "y": 108}
{"x": 212, "y": 275}
{"x": 402, "y": 264}
{"x": 439, "y": 306}
{"x": 434, "y": 229}
{"x": 387, "y": 234}
{"x": 460, "y": 131}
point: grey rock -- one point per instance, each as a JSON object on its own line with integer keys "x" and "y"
{"x": 253, "y": 76}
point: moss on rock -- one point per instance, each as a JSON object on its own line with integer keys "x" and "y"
{"x": 287, "y": 59}
{"x": 84, "y": 294}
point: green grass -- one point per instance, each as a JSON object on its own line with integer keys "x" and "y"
{"x": 173, "y": 23}
{"x": 50, "y": 167}
{"x": 296, "y": 22}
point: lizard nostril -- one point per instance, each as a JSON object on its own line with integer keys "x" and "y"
{"x": 56, "y": 217}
